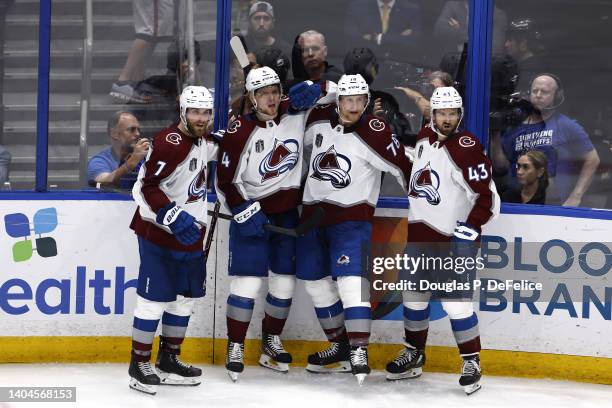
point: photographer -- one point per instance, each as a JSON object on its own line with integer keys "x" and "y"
{"x": 117, "y": 164}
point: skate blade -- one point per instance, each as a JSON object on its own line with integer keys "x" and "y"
{"x": 145, "y": 388}
{"x": 412, "y": 373}
{"x": 340, "y": 367}
{"x": 470, "y": 389}
{"x": 175, "y": 379}
{"x": 266, "y": 361}
{"x": 233, "y": 375}
{"x": 360, "y": 378}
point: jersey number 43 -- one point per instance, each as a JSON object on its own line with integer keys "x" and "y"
{"x": 478, "y": 173}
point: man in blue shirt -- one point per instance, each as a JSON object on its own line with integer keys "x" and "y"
{"x": 116, "y": 165}
{"x": 572, "y": 159}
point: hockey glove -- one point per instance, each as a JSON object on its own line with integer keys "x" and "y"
{"x": 463, "y": 241}
{"x": 304, "y": 95}
{"x": 181, "y": 224}
{"x": 250, "y": 219}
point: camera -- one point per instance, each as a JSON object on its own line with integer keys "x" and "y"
{"x": 513, "y": 109}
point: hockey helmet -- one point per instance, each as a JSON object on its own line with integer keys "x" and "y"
{"x": 361, "y": 61}
{"x": 273, "y": 57}
{"x": 194, "y": 97}
{"x": 352, "y": 85}
{"x": 445, "y": 97}
{"x": 260, "y": 78}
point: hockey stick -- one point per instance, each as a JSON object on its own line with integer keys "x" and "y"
{"x": 313, "y": 221}
{"x": 211, "y": 228}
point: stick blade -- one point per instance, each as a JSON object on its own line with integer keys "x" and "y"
{"x": 239, "y": 51}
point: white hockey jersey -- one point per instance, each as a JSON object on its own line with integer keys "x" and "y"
{"x": 346, "y": 163}
{"x": 175, "y": 170}
{"x": 450, "y": 182}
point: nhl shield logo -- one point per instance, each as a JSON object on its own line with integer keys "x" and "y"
{"x": 259, "y": 146}
{"x": 318, "y": 140}
{"x": 193, "y": 164}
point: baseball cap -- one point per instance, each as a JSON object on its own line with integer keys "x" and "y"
{"x": 261, "y": 6}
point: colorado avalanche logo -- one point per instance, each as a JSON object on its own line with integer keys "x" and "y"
{"x": 197, "y": 188}
{"x": 332, "y": 166}
{"x": 283, "y": 157}
{"x": 424, "y": 184}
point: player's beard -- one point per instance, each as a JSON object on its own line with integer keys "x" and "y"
{"x": 196, "y": 131}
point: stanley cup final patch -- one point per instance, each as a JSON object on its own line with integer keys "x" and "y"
{"x": 318, "y": 140}
{"x": 259, "y": 146}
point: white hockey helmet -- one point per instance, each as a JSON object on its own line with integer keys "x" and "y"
{"x": 194, "y": 97}
{"x": 445, "y": 97}
{"x": 260, "y": 78}
{"x": 352, "y": 85}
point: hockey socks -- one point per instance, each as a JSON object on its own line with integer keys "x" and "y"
{"x": 331, "y": 319}
{"x": 466, "y": 334}
{"x": 239, "y": 313}
{"x": 416, "y": 325}
{"x": 276, "y": 313}
{"x": 143, "y": 332}
{"x": 358, "y": 322}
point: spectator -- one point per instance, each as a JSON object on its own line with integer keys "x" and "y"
{"x": 523, "y": 44}
{"x": 5, "y": 159}
{"x": 266, "y": 56}
{"x": 572, "y": 159}
{"x": 153, "y": 22}
{"x": 451, "y": 27}
{"x": 274, "y": 57}
{"x": 437, "y": 79}
{"x": 532, "y": 179}
{"x": 261, "y": 29}
{"x": 383, "y": 105}
{"x": 309, "y": 59}
{"x": 167, "y": 85}
{"x": 117, "y": 164}
{"x": 391, "y": 24}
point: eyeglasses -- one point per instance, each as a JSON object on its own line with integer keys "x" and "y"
{"x": 311, "y": 50}
{"x": 133, "y": 129}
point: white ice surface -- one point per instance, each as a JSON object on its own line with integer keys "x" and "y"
{"x": 106, "y": 385}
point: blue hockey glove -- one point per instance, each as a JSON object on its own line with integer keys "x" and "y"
{"x": 463, "y": 241}
{"x": 304, "y": 95}
{"x": 181, "y": 224}
{"x": 250, "y": 219}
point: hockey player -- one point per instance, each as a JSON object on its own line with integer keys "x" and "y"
{"x": 170, "y": 223}
{"x": 258, "y": 177}
{"x": 451, "y": 197}
{"x": 350, "y": 149}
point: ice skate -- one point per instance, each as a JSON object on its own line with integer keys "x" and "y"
{"x": 470, "y": 374}
{"x": 408, "y": 364}
{"x": 273, "y": 354}
{"x": 143, "y": 377}
{"x": 234, "y": 362}
{"x": 172, "y": 371}
{"x": 334, "y": 359}
{"x": 359, "y": 363}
